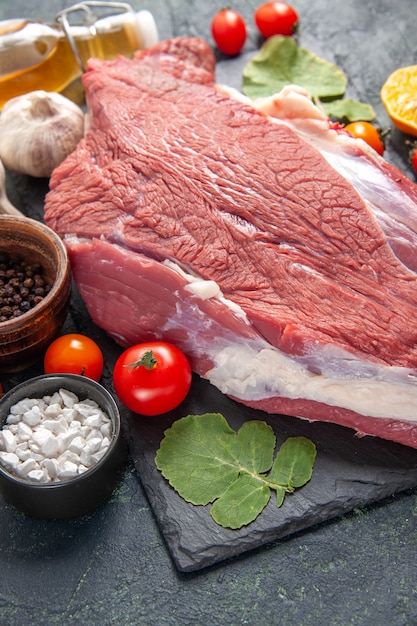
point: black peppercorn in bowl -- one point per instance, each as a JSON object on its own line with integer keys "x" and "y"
{"x": 35, "y": 290}
{"x": 62, "y": 449}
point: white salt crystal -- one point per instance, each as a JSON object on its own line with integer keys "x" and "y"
{"x": 53, "y": 410}
{"x": 7, "y": 441}
{"x": 68, "y": 414}
{"x": 77, "y": 444}
{"x": 89, "y": 402}
{"x": 68, "y": 398}
{"x": 54, "y": 399}
{"x": 23, "y": 451}
{"x": 51, "y": 466}
{"x": 37, "y": 456}
{"x": 13, "y": 418}
{"x": 94, "y": 444}
{"x": 67, "y": 455}
{"x": 92, "y": 433}
{"x": 32, "y": 417}
{"x": 24, "y": 432}
{"x": 23, "y": 406}
{"x": 50, "y": 447}
{"x": 23, "y": 469}
{"x": 85, "y": 431}
{"x": 9, "y": 459}
{"x": 66, "y": 438}
{"x": 105, "y": 443}
{"x": 85, "y": 457}
{"x": 106, "y": 429}
{"x": 56, "y": 426}
{"x": 86, "y": 410}
{"x": 94, "y": 421}
{"x": 38, "y": 476}
{"x": 40, "y": 436}
{"x": 67, "y": 470}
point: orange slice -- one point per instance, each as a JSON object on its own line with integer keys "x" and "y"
{"x": 399, "y": 97}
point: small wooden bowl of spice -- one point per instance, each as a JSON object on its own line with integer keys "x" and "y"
{"x": 35, "y": 290}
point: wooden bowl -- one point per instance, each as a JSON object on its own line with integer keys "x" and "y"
{"x": 23, "y": 339}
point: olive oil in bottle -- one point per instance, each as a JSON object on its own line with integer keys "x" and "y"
{"x": 36, "y": 55}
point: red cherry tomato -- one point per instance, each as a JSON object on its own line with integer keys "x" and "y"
{"x": 152, "y": 378}
{"x": 367, "y": 132}
{"x": 74, "y": 354}
{"x": 276, "y": 18}
{"x": 228, "y": 29}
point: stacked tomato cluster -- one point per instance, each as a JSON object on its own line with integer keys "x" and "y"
{"x": 228, "y": 27}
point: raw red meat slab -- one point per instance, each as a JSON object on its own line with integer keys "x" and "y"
{"x": 300, "y": 267}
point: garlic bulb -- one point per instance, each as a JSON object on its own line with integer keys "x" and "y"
{"x": 37, "y": 131}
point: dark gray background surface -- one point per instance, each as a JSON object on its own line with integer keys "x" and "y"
{"x": 113, "y": 567}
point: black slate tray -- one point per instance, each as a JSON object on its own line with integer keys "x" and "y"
{"x": 349, "y": 472}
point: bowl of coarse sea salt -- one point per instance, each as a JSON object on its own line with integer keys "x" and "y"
{"x": 62, "y": 449}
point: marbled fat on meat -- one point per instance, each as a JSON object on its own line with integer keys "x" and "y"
{"x": 245, "y": 233}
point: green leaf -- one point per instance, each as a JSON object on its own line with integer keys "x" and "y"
{"x": 242, "y": 502}
{"x": 206, "y": 461}
{"x": 201, "y": 455}
{"x": 255, "y": 446}
{"x": 293, "y": 465}
{"x": 348, "y": 110}
{"x": 281, "y": 62}
{"x": 197, "y": 456}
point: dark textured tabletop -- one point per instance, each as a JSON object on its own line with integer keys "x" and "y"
{"x": 113, "y": 566}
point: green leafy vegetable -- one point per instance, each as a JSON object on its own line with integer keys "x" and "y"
{"x": 345, "y": 110}
{"x": 242, "y": 502}
{"x": 281, "y": 62}
{"x": 293, "y": 464}
{"x": 206, "y": 461}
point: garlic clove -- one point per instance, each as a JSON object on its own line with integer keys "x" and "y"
{"x": 38, "y": 130}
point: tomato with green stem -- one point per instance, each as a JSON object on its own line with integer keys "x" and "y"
{"x": 367, "y": 132}
{"x": 228, "y": 29}
{"x": 152, "y": 378}
{"x": 276, "y": 18}
{"x": 74, "y": 353}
